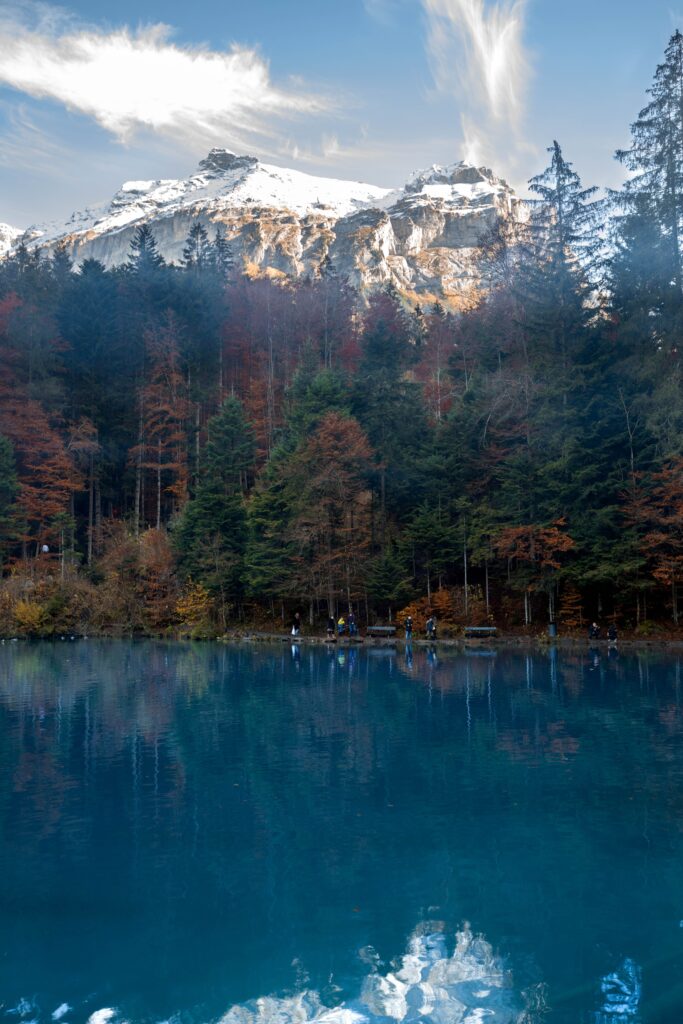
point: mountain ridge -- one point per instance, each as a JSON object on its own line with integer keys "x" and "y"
{"x": 424, "y": 237}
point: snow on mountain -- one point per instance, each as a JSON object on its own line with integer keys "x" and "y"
{"x": 8, "y": 237}
{"x": 423, "y": 237}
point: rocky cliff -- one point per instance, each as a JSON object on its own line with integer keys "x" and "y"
{"x": 424, "y": 237}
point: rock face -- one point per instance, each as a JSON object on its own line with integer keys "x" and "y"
{"x": 425, "y": 237}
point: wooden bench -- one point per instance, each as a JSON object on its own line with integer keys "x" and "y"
{"x": 473, "y": 632}
{"x": 380, "y": 631}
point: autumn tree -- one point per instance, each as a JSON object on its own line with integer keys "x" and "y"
{"x": 161, "y": 451}
{"x": 9, "y": 489}
{"x": 330, "y": 528}
{"x": 536, "y": 550}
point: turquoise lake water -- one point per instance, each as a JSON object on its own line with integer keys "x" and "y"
{"x": 356, "y": 835}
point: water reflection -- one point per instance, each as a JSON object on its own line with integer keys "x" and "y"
{"x": 179, "y": 823}
{"x": 428, "y": 983}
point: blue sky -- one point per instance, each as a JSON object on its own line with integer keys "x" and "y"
{"x": 92, "y": 93}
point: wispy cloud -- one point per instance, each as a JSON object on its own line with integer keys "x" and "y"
{"x": 130, "y": 81}
{"x": 478, "y": 55}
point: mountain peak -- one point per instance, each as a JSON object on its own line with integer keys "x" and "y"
{"x": 459, "y": 173}
{"x": 221, "y": 161}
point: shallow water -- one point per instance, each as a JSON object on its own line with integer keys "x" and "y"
{"x": 185, "y": 829}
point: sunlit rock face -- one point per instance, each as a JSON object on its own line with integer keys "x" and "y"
{"x": 425, "y": 238}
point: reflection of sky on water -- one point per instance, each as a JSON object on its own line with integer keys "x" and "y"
{"x": 167, "y": 810}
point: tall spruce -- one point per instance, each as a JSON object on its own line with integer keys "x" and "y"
{"x": 197, "y": 251}
{"x": 144, "y": 256}
{"x": 655, "y": 159}
{"x": 222, "y": 256}
{"x": 210, "y": 537}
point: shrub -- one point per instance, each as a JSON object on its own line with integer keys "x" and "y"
{"x": 29, "y": 617}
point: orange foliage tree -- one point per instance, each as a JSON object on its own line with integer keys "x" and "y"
{"x": 537, "y": 550}
{"x": 47, "y": 475}
{"x": 331, "y": 528}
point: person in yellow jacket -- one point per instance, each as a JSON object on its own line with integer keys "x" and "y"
{"x": 341, "y": 625}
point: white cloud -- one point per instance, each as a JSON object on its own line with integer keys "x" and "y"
{"x": 129, "y": 81}
{"x": 478, "y": 55}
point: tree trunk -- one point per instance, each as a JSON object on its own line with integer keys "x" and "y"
{"x": 159, "y": 486}
{"x": 674, "y": 597}
{"x": 464, "y": 555}
{"x": 91, "y": 507}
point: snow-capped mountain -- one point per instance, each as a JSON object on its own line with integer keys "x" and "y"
{"x": 8, "y": 237}
{"x": 424, "y": 237}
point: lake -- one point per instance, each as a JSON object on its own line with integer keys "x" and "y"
{"x": 281, "y": 834}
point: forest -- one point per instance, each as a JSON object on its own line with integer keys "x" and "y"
{"x": 187, "y": 449}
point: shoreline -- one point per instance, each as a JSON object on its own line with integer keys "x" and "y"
{"x": 262, "y": 637}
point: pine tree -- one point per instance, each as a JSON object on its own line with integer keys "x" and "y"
{"x": 388, "y": 406}
{"x": 144, "y": 257}
{"x": 210, "y": 537}
{"x": 655, "y": 158}
{"x": 388, "y": 580}
{"x": 270, "y": 550}
{"x": 198, "y": 251}
{"x": 430, "y": 542}
{"x": 221, "y": 253}
{"x": 562, "y": 245}
{"x": 61, "y": 265}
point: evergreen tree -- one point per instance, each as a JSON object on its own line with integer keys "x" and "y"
{"x": 388, "y": 407}
{"x": 270, "y": 550}
{"x": 430, "y": 542}
{"x": 221, "y": 253}
{"x": 389, "y": 581}
{"x": 144, "y": 257}
{"x": 197, "y": 252}
{"x": 210, "y": 537}
{"x": 61, "y": 265}
{"x": 655, "y": 160}
{"x": 561, "y": 245}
